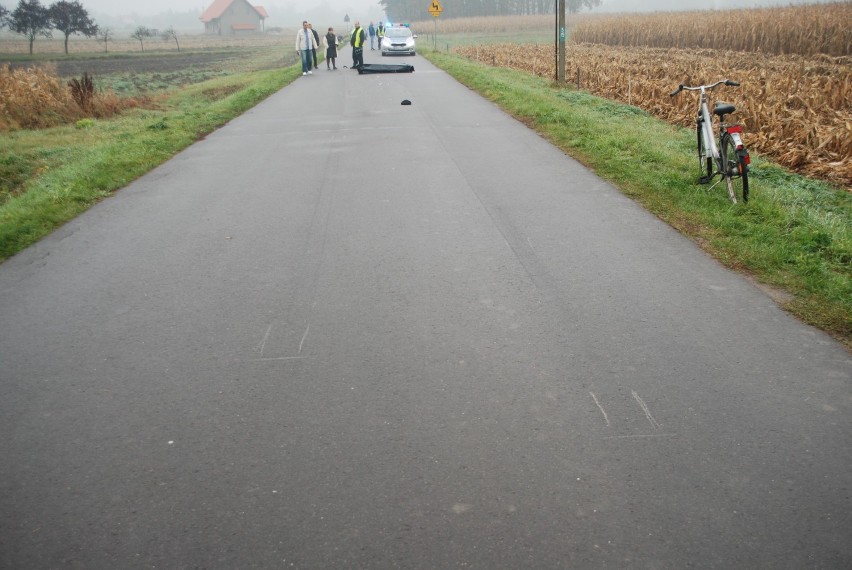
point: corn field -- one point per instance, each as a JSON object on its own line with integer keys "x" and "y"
{"x": 804, "y": 30}
{"x": 486, "y": 25}
{"x": 795, "y": 110}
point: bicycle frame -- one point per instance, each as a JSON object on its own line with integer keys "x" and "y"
{"x": 707, "y": 132}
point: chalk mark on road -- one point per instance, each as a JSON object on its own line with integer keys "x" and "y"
{"x": 265, "y": 338}
{"x": 598, "y": 404}
{"x": 304, "y": 336}
{"x": 653, "y": 435}
{"x": 645, "y": 409}
{"x": 262, "y": 346}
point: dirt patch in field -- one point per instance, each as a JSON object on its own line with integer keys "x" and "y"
{"x": 155, "y": 63}
{"x": 141, "y": 64}
{"x": 135, "y": 75}
{"x": 221, "y": 92}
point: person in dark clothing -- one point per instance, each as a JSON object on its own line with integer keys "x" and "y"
{"x": 359, "y": 36}
{"x": 331, "y": 49}
{"x": 317, "y": 38}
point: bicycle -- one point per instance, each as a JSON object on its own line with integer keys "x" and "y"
{"x": 729, "y": 159}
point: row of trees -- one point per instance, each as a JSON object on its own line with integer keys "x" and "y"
{"x": 411, "y": 10}
{"x": 141, "y": 33}
{"x": 33, "y": 20}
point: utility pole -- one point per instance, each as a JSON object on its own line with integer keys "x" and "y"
{"x": 560, "y": 41}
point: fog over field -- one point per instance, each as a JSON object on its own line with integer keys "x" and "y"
{"x": 183, "y": 14}
{"x": 146, "y": 7}
{"x": 667, "y": 5}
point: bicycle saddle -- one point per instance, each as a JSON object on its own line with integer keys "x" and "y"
{"x": 722, "y": 109}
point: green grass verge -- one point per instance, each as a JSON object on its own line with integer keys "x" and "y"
{"x": 47, "y": 177}
{"x": 794, "y": 237}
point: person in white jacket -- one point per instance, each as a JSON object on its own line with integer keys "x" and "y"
{"x": 306, "y": 43}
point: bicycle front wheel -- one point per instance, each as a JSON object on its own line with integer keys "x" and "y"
{"x": 734, "y": 170}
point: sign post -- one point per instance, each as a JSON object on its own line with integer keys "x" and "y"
{"x": 560, "y": 49}
{"x": 435, "y": 9}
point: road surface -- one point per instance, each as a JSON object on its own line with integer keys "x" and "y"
{"x": 345, "y": 333}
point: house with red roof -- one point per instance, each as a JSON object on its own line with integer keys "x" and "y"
{"x": 232, "y": 17}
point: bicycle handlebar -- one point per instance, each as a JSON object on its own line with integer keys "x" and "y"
{"x": 683, "y": 87}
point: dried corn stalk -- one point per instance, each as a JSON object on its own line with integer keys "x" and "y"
{"x": 796, "y": 110}
{"x": 803, "y": 30}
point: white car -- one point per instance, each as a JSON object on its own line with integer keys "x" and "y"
{"x": 398, "y": 40}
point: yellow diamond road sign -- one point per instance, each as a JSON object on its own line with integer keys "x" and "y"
{"x": 435, "y": 8}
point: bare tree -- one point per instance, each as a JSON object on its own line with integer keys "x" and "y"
{"x": 140, "y": 34}
{"x": 170, "y": 34}
{"x": 575, "y": 6}
{"x": 31, "y": 19}
{"x": 71, "y": 18}
{"x": 104, "y": 35}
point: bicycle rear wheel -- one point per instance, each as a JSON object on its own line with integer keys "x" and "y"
{"x": 734, "y": 170}
{"x": 705, "y": 160}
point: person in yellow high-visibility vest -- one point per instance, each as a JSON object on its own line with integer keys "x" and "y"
{"x": 359, "y": 36}
{"x": 380, "y": 34}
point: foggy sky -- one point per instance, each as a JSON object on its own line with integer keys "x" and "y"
{"x": 358, "y": 7}
{"x": 183, "y": 14}
{"x": 147, "y": 7}
{"x": 666, "y": 5}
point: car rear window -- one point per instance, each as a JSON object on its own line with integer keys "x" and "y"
{"x": 398, "y": 33}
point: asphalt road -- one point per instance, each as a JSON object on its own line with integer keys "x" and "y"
{"x": 345, "y": 333}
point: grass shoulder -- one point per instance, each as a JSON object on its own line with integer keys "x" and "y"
{"x": 794, "y": 236}
{"x": 51, "y": 175}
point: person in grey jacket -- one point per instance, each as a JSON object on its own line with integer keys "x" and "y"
{"x": 306, "y": 44}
